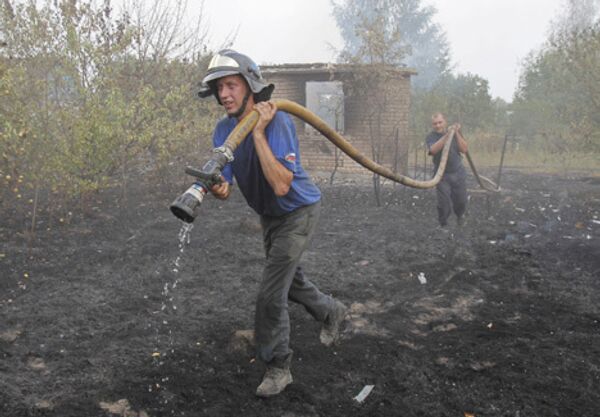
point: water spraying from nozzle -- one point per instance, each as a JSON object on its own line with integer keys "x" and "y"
{"x": 168, "y": 304}
{"x": 163, "y": 328}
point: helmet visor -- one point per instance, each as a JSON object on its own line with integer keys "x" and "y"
{"x": 219, "y": 74}
{"x": 221, "y": 66}
{"x": 220, "y": 61}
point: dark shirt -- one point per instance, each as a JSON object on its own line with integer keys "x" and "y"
{"x": 454, "y": 163}
{"x": 245, "y": 167}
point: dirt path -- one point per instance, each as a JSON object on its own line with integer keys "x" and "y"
{"x": 113, "y": 316}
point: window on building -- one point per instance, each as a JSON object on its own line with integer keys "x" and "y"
{"x": 326, "y": 100}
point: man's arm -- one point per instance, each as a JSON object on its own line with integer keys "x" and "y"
{"x": 460, "y": 140}
{"x": 439, "y": 145}
{"x": 277, "y": 175}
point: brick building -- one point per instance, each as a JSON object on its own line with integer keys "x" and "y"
{"x": 375, "y": 123}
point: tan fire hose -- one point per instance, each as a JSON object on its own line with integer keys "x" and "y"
{"x": 245, "y": 126}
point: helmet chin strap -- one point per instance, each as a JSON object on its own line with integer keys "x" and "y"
{"x": 242, "y": 108}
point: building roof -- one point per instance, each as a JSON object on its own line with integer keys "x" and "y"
{"x": 325, "y": 68}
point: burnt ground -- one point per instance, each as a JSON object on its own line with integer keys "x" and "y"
{"x": 112, "y": 316}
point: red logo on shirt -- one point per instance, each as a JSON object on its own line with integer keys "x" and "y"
{"x": 290, "y": 157}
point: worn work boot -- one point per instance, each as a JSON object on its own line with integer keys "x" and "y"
{"x": 330, "y": 332}
{"x": 274, "y": 381}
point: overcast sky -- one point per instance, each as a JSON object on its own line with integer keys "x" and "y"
{"x": 487, "y": 37}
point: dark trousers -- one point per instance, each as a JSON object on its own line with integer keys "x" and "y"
{"x": 451, "y": 195}
{"x": 285, "y": 239}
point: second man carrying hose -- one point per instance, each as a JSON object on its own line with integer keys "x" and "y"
{"x": 452, "y": 188}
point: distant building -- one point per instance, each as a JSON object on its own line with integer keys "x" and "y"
{"x": 326, "y": 90}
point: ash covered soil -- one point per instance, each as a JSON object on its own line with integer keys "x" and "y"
{"x": 111, "y": 315}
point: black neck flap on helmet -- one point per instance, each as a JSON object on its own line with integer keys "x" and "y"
{"x": 229, "y": 62}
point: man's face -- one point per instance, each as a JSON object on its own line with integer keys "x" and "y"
{"x": 439, "y": 124}
{"x": 232, "y": 89}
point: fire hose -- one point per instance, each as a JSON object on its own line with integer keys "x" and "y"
{"x": 186, "y": 205}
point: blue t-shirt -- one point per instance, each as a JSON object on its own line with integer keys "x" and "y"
{"x": 454, "y": 163}
{"x": 282, "y": 139}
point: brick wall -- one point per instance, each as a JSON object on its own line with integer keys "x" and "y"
{"x": 361, "y": 121}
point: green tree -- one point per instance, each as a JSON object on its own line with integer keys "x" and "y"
{"x": 90, "y": 99}
{"x": 422, "y": 44}
{"x": 463, "y": 98}
{"x": 377, "y": 50}
{"x": 557, "y": 101}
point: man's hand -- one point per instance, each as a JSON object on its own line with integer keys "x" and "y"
{"x": 266, "y": 111}
{"x": 222, "y": 190}
{"x": 460, "y": 139}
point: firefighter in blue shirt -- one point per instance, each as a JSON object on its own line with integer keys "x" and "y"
{"x": 267, "y": 169}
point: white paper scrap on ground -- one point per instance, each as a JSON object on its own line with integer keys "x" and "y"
{"x": 421, "y": 278}
{"x": 364, "y": 393}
